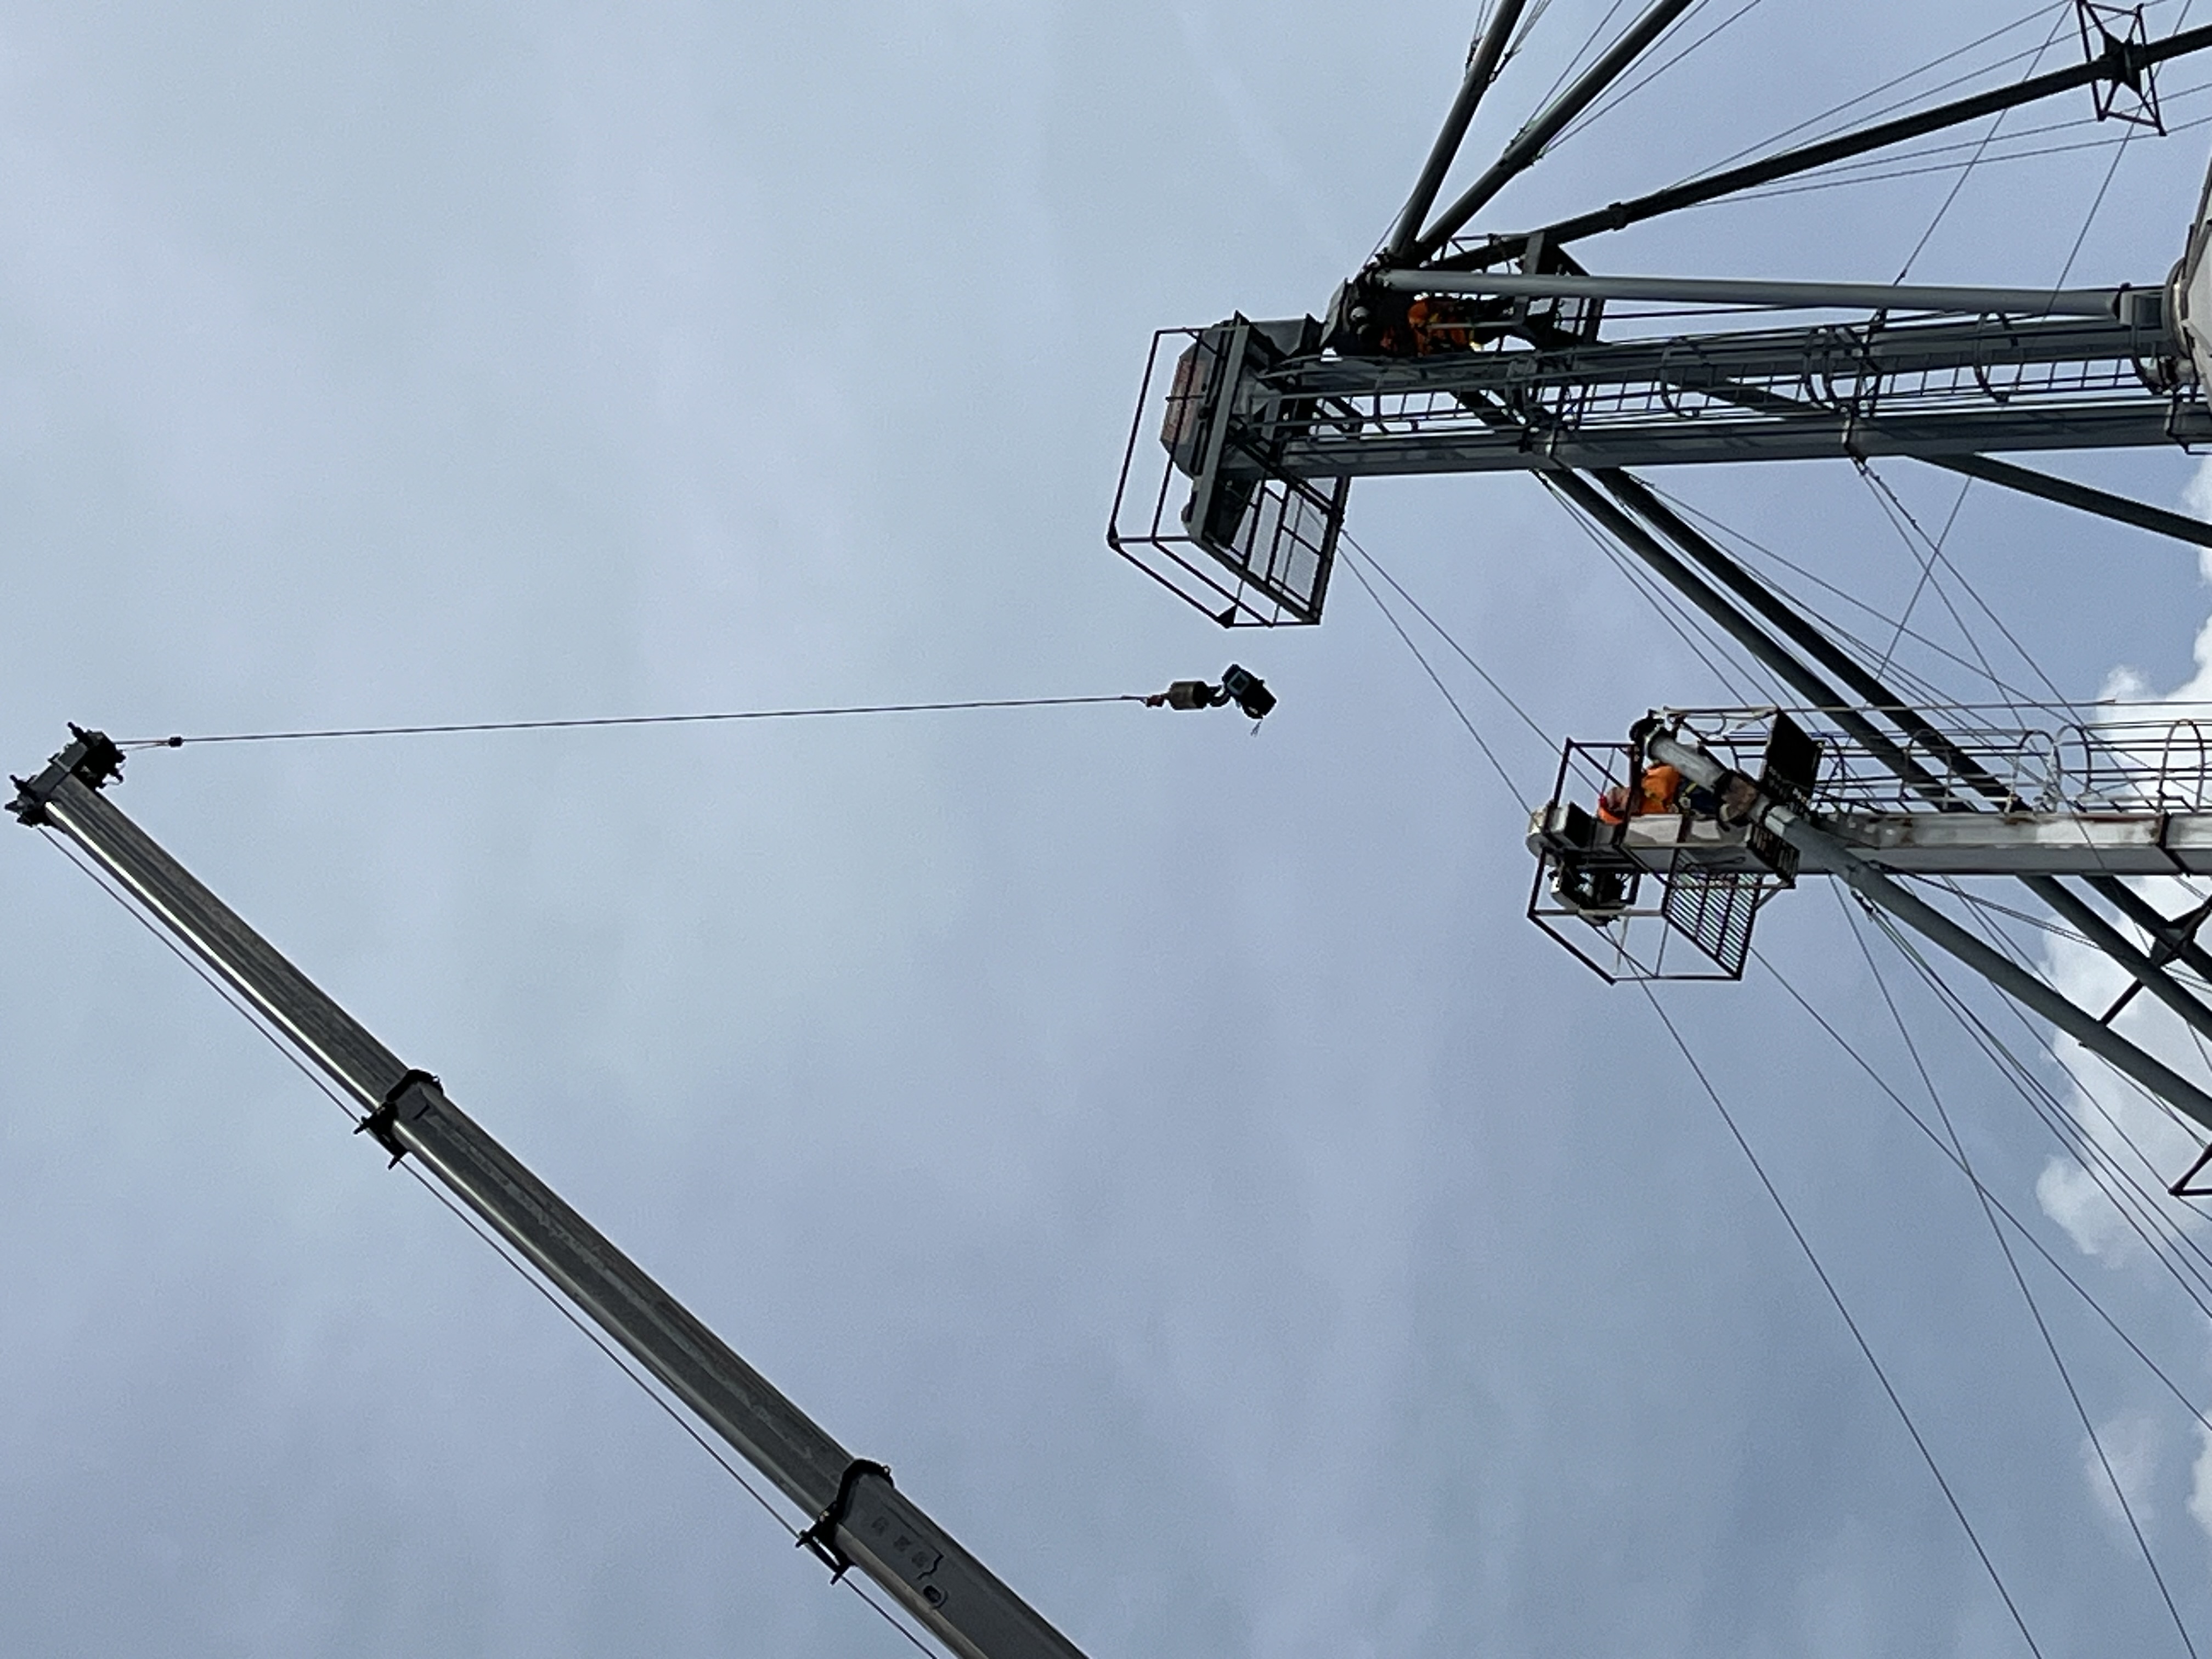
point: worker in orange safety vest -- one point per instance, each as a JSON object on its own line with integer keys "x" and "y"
{"x": 1657, "y": 789}
{"x": 1440, "y": 325}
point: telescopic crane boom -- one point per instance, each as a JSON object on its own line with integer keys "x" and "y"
{"x": 860, "y": 1519}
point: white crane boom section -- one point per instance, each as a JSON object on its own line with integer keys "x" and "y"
{"x": 1932, "y": 843}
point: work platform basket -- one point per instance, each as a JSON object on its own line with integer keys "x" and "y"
{"x": 1670, "y": 894}
{"x": 1219, "y": 523}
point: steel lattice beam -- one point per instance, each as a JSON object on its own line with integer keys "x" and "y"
{"x": 1931, "y": 388}
{"x": 2120, "y": 63}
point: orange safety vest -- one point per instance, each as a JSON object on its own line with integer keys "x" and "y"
{"x": 1661, "y": 786}
{"x": 1437, "y": 327}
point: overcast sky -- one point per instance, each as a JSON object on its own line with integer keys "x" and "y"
{"x": 1170, "y": 1149}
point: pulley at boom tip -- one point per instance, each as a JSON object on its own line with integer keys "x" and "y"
{"x": 93, "y": 758}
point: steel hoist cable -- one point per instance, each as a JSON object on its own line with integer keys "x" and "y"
{"x": 1835, "y": 1296}
{"x": 715, "y": 717}
{"x": 2019, "y": 1279}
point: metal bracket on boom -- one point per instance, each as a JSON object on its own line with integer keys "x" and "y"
{"x": 2124, "y": 59}
{"x": 821, "y": 1536}
{"x": 93, "y": 758}
{"x": 381, "y": 1124}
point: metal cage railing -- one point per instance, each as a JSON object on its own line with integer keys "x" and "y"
{"x": 1646, "y": 916}
{"x": 1219, "y": 526}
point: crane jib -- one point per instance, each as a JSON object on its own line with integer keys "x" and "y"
{"x": 862, "y": 1519}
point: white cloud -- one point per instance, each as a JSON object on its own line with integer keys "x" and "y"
{"x": 2196, "y": 500}
{"x": 2120, "y": 1125}
{"x": 2124, "y": 1131}
{"x": 2131, "y": 1444}
{"x": 2071, "y": 1196}
{"x": 2200, "y": 1490}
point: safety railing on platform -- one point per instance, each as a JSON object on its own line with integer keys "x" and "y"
{"x": 2129, "y": 762}
{"x": 1206, "y": 513}
{"x": 1634, "y": 880}
{"x": 1647, "y": 915}
{"x": 1861, "y": 370}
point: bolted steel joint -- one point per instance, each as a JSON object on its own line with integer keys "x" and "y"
{"x": 93, "y": 758}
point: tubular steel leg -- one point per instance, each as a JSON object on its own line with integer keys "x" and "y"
{"x": 2017, "y": 982}
{"x": 1528, "y": 143}
{"x": 1481, "y": 67}
{"x": 2067, "y": 493}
